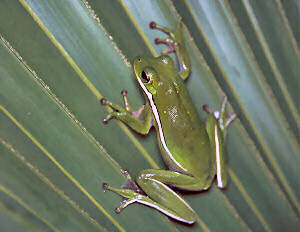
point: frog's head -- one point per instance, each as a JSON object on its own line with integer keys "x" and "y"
{"x": 151, "y": 72}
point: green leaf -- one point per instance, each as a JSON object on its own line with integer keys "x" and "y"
{"x": 58, "y": 58}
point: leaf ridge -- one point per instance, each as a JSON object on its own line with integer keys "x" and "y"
{"x": 51, "y": 184}
{"x": 86, "y": 80}
{"x": 27, "y": 207}
{"x": 77, "y": 184}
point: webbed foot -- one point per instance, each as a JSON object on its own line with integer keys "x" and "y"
{"x": 222, "y": 116}
{"x": 118, "y": 111}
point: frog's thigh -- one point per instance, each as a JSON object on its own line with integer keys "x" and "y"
{"x": 175, "y": 179}
{"x": 164, "y": 198}
{"x": 216, "y": 139}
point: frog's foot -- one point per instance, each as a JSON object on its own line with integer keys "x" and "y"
{"x": 159, "y": 195}
{"x": 119, "y": 111}
{"x": 140, "y": 120}
{"x": 127, "y": 195}
{"x": 128, "y": 191}
{"x": 170, "y": 41}
{"x": 223, "y": 118}
{"x": 130, "y": 183}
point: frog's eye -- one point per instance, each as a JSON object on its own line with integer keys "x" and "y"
{"x": 146, "y": 76}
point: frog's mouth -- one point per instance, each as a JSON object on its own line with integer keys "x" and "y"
{"x": 136, "y": 72}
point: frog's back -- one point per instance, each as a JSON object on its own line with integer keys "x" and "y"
{"x": 186, "y": 145}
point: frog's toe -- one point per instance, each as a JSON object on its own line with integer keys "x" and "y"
{"x": 117, "y": 210}
{"x": 105, "y": 120}
{"x": 170, "y": 41}
{"x": 124, "y": 204}
{"x": 105, "y": 185}
{"x": 152, "y": 25}
{"x": 206, "y": 109}
{"x": 230, "y": 119}
{"x": 126, "y": 174}
{"x": 124, "y": 92}
{"x": 103, "y": 101}
{"x": 167, "y": 41}
{"x": 126, "y": 102}
{"x": 113, "y": 106}
{"x": 108, "y": 117}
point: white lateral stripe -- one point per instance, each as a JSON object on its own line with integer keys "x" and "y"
{"x": 129, "y": 202}
{"x": 164, "y": 211}
{"x": 157, "y": 119}
{"x": 220, "y": 183}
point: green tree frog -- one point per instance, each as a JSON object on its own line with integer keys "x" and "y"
{"x": 192, "y": 150}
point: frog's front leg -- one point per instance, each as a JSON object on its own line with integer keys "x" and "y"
{"x": 140, "y": 120}
{"x": 175, "y": 44}
{"x": 216, "y": 124}
{"x": 158, "y": 195}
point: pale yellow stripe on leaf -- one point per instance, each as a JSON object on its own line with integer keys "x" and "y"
{"x": 85, "y": 80}
{"x": 77, "y": 184}
{"x": 246, "y": 115}
{"x": 202, "y": 224}
{"x": 249, "y": 200}
{"x": 49, "y": 183}
{"x": 27, "y": 207}
{"x": 138, "y": 28}
{"x": 271, "y": 61}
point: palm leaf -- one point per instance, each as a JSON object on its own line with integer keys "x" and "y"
{"x": 57, "y": 58}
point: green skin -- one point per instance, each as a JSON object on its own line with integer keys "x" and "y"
{"x": 193, "y": 151}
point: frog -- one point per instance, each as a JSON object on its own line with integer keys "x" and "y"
{"x": 192, "y": 150}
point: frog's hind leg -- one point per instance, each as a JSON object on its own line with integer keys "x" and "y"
{"x": 223, "y": 118}
{"x": 175, "y": 43}
{"x": 216, "y": 124}
{"x": 159, "y": 196}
